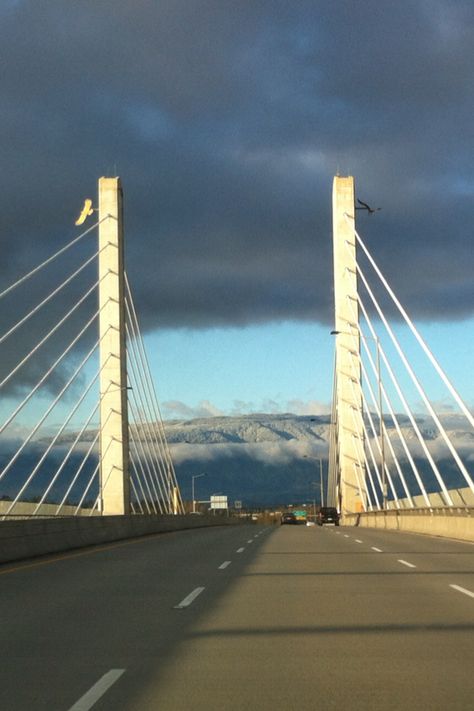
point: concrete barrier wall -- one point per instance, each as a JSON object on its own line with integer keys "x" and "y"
{"x": 20, "y": 539}
{"x": 450, "y": 523}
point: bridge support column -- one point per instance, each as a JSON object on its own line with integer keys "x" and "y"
{"x": 349, "y": 437}
{"x": 114, "y": 463}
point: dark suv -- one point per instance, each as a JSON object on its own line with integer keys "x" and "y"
{"x": 327, "y": 514}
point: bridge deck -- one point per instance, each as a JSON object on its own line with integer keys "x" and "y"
{"x": 300, "y": 617}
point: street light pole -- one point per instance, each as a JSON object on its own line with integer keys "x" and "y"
{"x": 381, "y": 433}
{"x": 196, "y": 476}
{"x": 321, "y": 480}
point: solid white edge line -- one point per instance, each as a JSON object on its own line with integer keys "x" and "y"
{"x": 462, "y": 590}
{"x": 189, "y": 599}
{"x": 376, "y": 549}
{"x": 87, "y": 701}
{"x": 405, "y": 562}
{"x": 224, "y": 564}
{"x": 240, "y": 550}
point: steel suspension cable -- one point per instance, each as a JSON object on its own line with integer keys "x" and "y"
{"x": 417, "y": 335}
{"x": 406, "y": 408}
{"x": 48, "y": 298}
{"x": 50, "y": 259}
{"x": 154, "y": 398}
{"x": 146, "y": 424}
{"x": 423, "y": 396}
{"x": 45, "y": 376}
{"x": 43, "y": 418}
{"x": 48, "y": 335}
{"x": 73, "y": 445}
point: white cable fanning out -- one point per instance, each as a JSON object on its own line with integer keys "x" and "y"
{"x": 48, "y": 335}
{"x": 71, "y": 448}
{"x": 137, "y": 499}
{"x": 80, "y": 468}
{"x": 145, "y": 458}
{"x": 152, "y": 402}
{"x": 375, "y": 439}
{"x": 405, "y": 406}
{"x": 149, "y": 392}
{"x": 135, "y": 460}
{"x": 48, "y": 298}
{"x": 365, "y": 409}
{"x": 45, "y": 375}
{"x": 385, "y": 434}
{"x": 421, "y": 439}
{"x": 137, "y": 387}
{"x": 50, "y": 259}
{"x": 95, "y": 473}
{"x": 417, "y": 335}
{"x": 423, "y": 395}
{"x": 48, "y": 411}
{"x": 135, "y": 476}
{"x": 151, "y": 387}
{"x": 386, "y": 399}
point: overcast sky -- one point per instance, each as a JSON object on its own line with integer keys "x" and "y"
{"x": 227, "y": 122}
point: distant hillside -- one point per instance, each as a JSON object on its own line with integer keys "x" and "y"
{"x": 259, "y": 459}
{"x": 248, "y": 429}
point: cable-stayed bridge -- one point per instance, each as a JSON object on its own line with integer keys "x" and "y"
{"x": 81, "y": 423}
{"x": 234, "y": 616}
{"x": 384, "y": 464}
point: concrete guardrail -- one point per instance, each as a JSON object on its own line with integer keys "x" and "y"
{"x": 451, "y": 522}
{"x": 20, "y": 539}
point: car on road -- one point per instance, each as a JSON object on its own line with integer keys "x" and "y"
{"x": 327, "y": 514}
{"x": 288, "y": 518}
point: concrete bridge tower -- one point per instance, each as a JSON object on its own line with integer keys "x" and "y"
{"x": 349, "y": 434}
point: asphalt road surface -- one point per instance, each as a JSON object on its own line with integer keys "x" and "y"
{"x": 242, "y": 618}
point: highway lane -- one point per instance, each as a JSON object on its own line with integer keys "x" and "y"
{"x": 297, "y": 616}
{"x": 68, "y": 620}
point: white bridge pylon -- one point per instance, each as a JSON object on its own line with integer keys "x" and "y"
{"x": 349, "y": 439}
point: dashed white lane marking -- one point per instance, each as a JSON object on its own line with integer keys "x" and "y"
{"x": 189, "y": 599}
{"x": 224, "y": 564}
{"x": 87, "y": 701}
{"x": 377, "y": 550}
{"x": 346, "y": 535}
{"x": 462, "y": 590}
{"x": 338, "y": 533}
{"x": 240, "y": 550}
{"x": 358, "y": 540}
{"x": 257, "y": 535}
{"x": 250, "y": 541}
{"x": 405, "y": 562}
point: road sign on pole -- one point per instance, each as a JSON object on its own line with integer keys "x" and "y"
{"x": 219, "y": 502}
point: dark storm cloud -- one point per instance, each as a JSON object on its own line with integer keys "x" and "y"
{"x": 226, "y": 122}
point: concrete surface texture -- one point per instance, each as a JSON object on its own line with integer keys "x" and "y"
{"x": 243, "y": 618}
